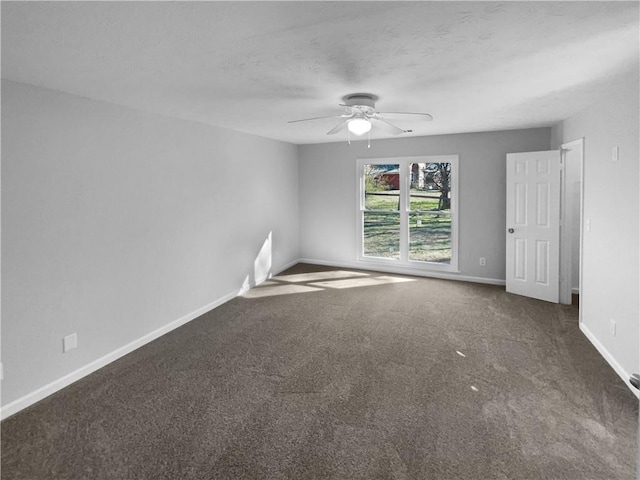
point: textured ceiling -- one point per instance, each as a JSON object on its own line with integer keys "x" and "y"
{"x": 252, "y": 66}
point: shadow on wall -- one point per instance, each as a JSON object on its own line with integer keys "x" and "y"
{"x": 261, "y": 267}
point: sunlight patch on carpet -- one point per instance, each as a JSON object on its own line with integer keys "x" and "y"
{"x": 317, "y": 276}
{"x": 283, "y": 289}
{"x": 362, "y": 282}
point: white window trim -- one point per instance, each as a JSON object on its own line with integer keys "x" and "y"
{"x": 404, "y": 263}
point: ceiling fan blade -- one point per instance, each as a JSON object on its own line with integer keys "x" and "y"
{"x": 424, "y": 116}
{"x": 338, "y": 127}
{"x": 388, "y": 127}
{"x": 315, "y": 118}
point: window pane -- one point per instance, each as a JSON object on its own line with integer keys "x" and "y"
{"x": 381, "y": 233}
{"x": 382, "y": 187}
{"x": 430, "y": 186}
{"x": 430, "y": 238}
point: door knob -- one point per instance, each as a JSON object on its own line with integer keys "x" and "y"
{"x": 511, "y": 230}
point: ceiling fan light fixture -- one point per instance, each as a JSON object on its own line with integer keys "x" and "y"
{"x": 360, "y": 114}
{"x": 359, "y": 126}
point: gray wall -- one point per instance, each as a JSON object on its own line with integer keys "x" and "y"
{"x": 610, "y": 284}
{"x": 328, "y": 193}
{"x": 117, "y": 222}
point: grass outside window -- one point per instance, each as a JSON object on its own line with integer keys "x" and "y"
{"x": 408, "y": 211}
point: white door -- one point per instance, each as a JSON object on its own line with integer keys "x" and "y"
{"x": 533, "y": 224}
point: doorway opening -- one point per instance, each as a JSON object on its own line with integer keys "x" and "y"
{"x": 571, "y": 221}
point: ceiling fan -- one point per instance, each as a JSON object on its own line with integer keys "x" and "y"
{"x": 360, "y": 116}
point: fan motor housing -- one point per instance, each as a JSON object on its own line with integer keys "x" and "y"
{"x": 360, "y": 99}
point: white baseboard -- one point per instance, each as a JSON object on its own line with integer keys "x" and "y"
{"x": 51, "y": 388}
{"x": 575, "y": 291}
{"x": 42, "y": 392}
{"x": 280, "y": 270}
{"x": 404, "y": 271}
{"x": 624, "y": 375}
{"x": 264, "y": 278}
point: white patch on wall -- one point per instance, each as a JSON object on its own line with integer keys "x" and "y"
{"x": 262, "y": 263}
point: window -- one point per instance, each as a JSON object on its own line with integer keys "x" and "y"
{"x": 407, "y": 211}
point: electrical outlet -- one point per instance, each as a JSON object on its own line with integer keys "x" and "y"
{"x": 615, "y": 154}
{"x": 612, "y": 327}
{"x": 69, "y": 342}
{"x": 587, "y": 225}
{"x": 483, "y": 261}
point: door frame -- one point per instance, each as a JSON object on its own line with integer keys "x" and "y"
{"x": 565, "y": 234}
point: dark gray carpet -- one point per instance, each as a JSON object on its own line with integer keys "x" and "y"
{"x": 344, "y": 383}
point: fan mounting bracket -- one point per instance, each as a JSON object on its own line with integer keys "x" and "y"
{"x": 360, "y": 100}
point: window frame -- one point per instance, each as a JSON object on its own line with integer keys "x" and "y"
{"x": 404, "y": 212}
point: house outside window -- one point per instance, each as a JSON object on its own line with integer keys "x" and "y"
{"x": 408, "y": 211}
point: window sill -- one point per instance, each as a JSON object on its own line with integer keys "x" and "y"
{"x": 408, "y": 267}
